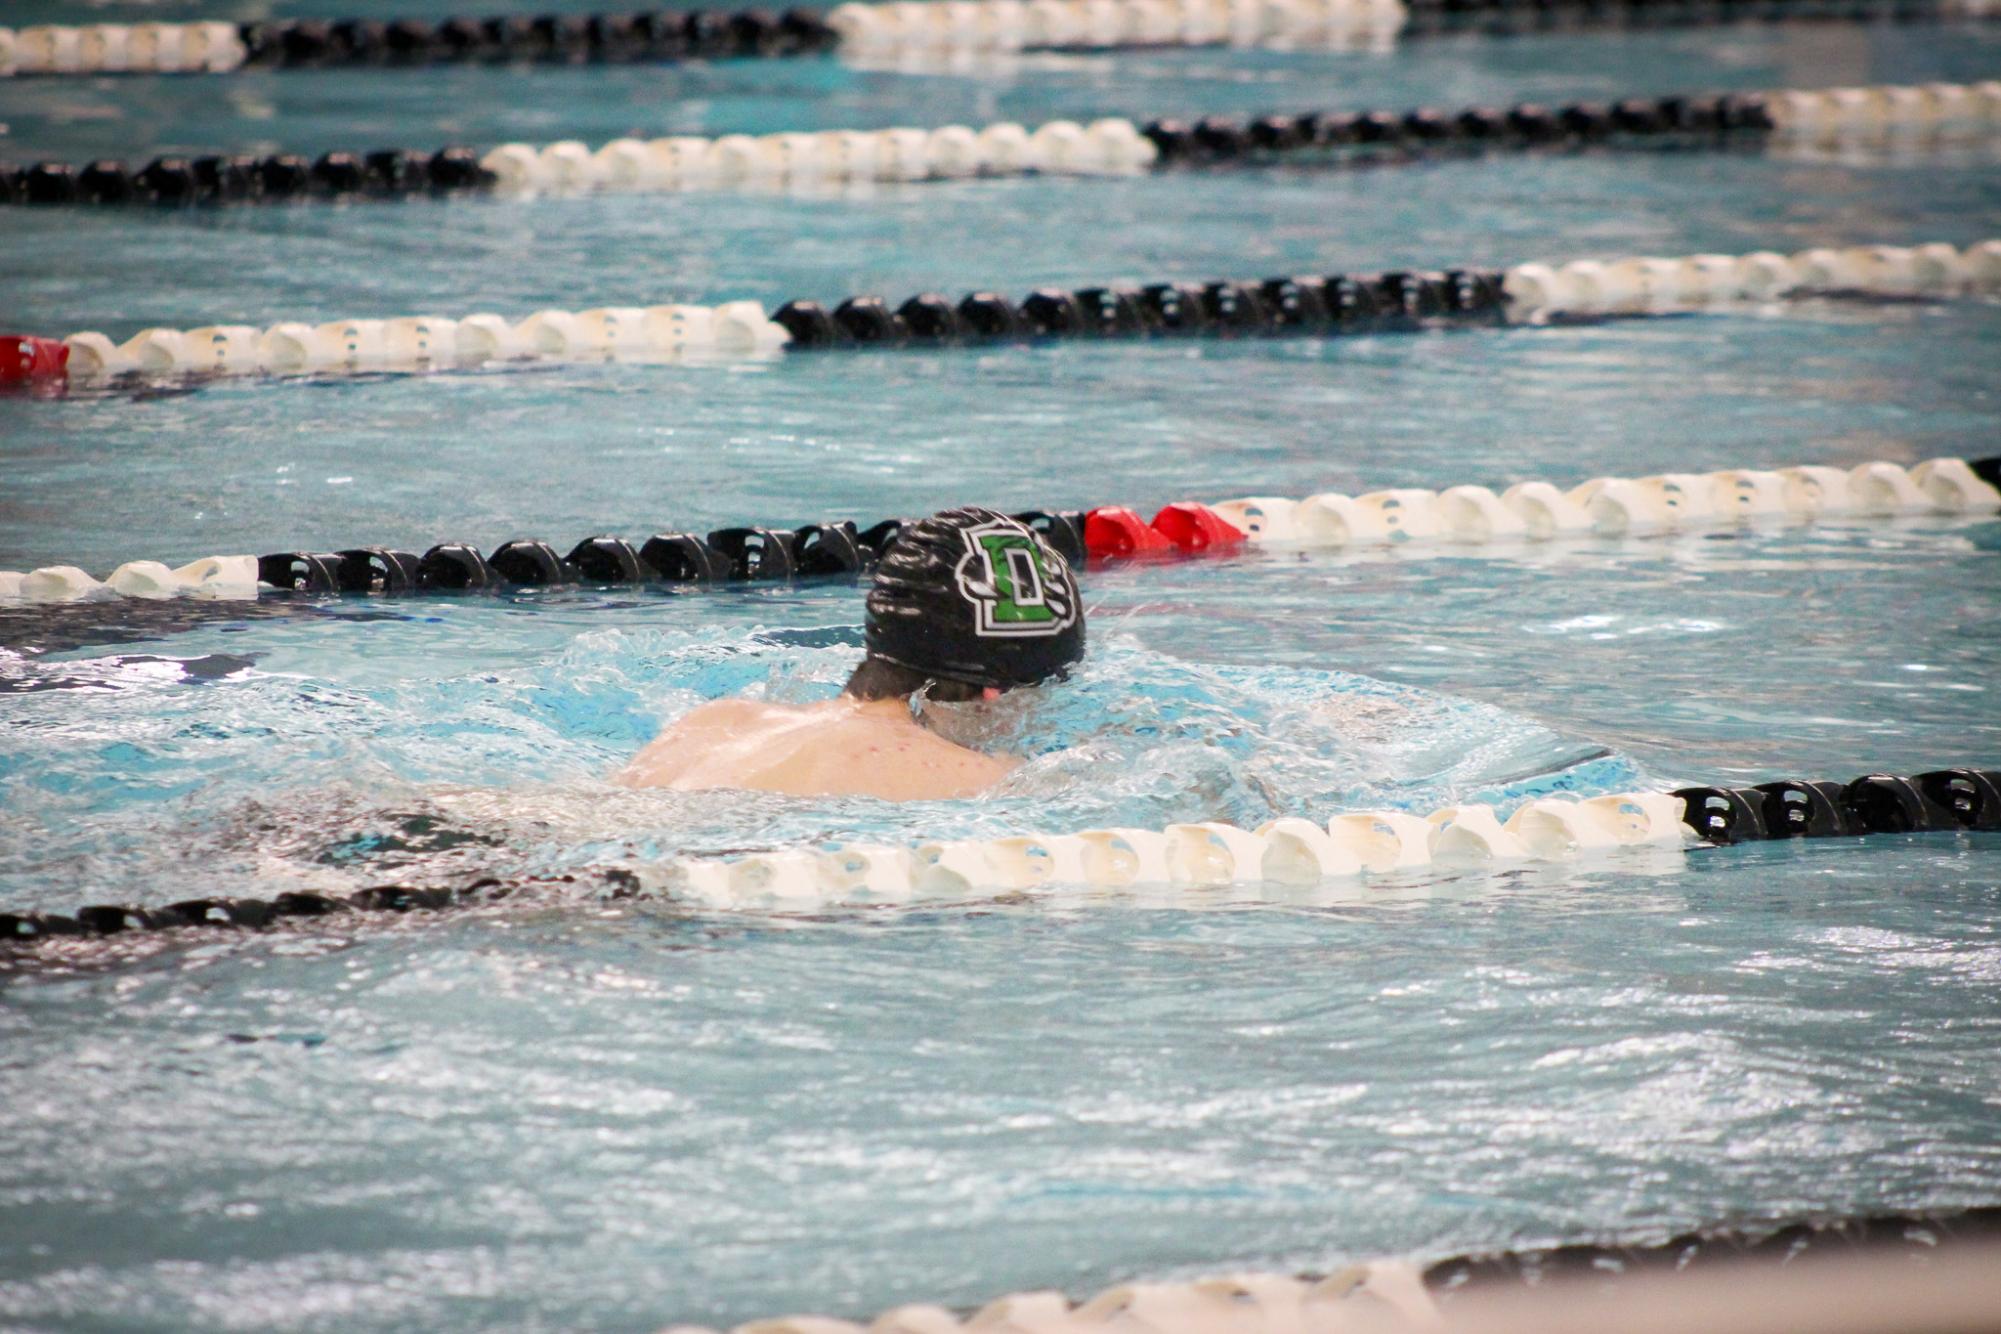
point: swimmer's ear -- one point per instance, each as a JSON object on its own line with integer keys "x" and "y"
{"x": 940, "y": 691}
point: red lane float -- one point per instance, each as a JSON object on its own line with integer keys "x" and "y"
{"x": 1113, "y": 532}
{"x": 25, "y": 357}
{"x": 1194, "y": 527}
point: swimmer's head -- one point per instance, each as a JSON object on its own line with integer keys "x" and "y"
{"x": 969, "y": 601}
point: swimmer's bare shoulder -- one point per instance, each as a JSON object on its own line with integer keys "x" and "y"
{"x": 839, "y": 748}
{"x": 881, "y": 751}
{"x": 692, "y": 741}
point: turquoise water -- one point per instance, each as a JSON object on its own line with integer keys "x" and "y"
{"x": 569, "y": 1111}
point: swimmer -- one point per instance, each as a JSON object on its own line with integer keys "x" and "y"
{"x": 966, "y": 604}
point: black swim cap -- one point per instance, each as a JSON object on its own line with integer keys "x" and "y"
{"x": 971, "y": 595}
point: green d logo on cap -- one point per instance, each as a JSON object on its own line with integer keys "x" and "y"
{"x": 1017, "y": 584}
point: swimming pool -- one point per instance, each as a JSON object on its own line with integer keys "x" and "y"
{"x": 568, "y": 1109}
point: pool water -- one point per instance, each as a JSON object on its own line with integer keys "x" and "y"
{"x": 569, "y": 1109}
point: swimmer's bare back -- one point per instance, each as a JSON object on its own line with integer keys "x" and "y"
{"x": 841, "y": 748}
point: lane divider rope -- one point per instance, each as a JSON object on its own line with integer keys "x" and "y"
{"x": 1316, "y": 306}
{"x": 211, "y": 48}
{"x": 116, "y": 48}
{"x": 1002, "y": 26}
{"x": 1105, "y": 147}
{"x": 734, "y": 330}
{"x": 1298, "y": 852}
{"x": 1405, "y": 519}
{"x": 1463, "y": 516}
{"x": 1203, "y": 855}
{"x": 1005, "y": 26}
{"x": 1345, "y": 304}
{"x": 867, "y": 31}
